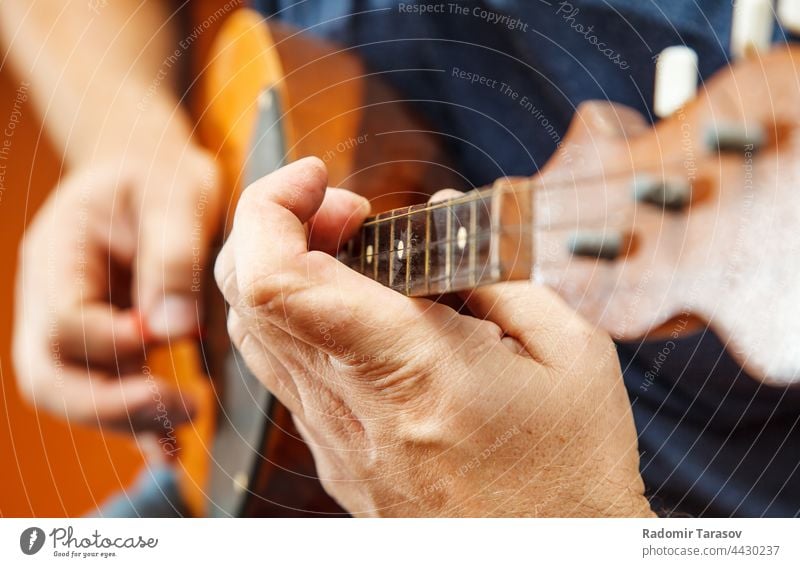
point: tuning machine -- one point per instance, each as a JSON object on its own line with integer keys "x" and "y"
{"x": 789, "y": 15}
{"x": 753, "y": 24}
{"x": 670, "y": 194}
{"x": 603, "y": 245}
{"x": 676, "y": 79}
{"x": 735, "y": 137}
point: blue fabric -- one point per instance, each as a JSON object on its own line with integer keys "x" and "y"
{"x": 713, "y": 441}
{"x": 154, "y": 494}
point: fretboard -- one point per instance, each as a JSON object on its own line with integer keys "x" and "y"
{"x": 483, "y": 237}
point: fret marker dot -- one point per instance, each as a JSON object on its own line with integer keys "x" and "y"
{"x": 400, "y": 250}
{"x": 369, "y": 253}
{"x": 461, "y": 237}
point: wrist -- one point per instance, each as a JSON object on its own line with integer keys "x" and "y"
{"x": 614, "y": 500}
{"x": 590, "y": 495}
{"x": 135, "y": 127}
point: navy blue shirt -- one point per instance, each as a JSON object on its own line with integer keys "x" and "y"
{"x": 713, "y": 441}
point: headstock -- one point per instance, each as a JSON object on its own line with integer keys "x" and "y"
{"x": 648, "y": 230}
{"x": 730, "y": 256}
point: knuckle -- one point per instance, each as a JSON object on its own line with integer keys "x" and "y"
{"x": 236, "y": 328}
{"x": 333, "y": 479}
{"x": 578, "y": 332}
{"x": 270, "y": 293}
{"x": 249, "y": 200}
{"x": 601, "y": 341}
{"x": 28, "y": 389}
{"x": 220, "y": 273}
{"x": 329, "y": 484}
{"x": 31, "y": 244}
{"x": 177, "y": 258}
{"x": 266, "y": 291}
{"x": 225, "y": 277}
{"x": 37, "y": 389}
{"x": 405, "y": 386}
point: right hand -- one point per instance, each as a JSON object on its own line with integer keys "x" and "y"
{"x": 111, "y": 264}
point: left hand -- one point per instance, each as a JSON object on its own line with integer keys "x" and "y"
{"x": 409, "y": 407}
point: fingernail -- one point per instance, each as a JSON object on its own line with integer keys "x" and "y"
{"x": 175, "y": 316}
{"x": 139, "y": 323}
{"x": 364, "y": 205}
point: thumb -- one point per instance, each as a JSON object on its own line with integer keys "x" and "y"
{"x": 535, "y": 316}
{"x": 177, "y": 222}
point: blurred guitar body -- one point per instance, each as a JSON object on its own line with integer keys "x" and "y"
{"x": 269, "y": 96}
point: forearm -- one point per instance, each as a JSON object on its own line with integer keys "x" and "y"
{"x": 102, "y": 80}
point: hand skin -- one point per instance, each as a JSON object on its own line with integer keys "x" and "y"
{"x": 410, "y": 408}
{"x": 106, "y": 269}
{"x": 110, "y": 263}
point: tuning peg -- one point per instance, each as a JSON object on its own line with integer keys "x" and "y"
{"x": 735, "y": 137}
{"x": 789, "y": 15}
{"x": 676, "y": 79}
{"x": 605, "y": 245}
{"x": 753, "y": 22}
{"x": 673, "y": 194}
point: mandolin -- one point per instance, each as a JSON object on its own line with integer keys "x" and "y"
{"x": 646, "y": 230}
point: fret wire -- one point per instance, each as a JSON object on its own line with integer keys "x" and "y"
{"x": 363, "y": 247}
{"x": 448, "y": 250}
{"x": 481, "y": 234}
{"x": 408, "y": 254}
{"x": 474, "y": 195}
{"x": 427, "y": 250}
{"x": 473, "y": 239}
{"x": 375, "y": 255}
{"x": 477, "y": 235}
{"x": 391, "y": 252}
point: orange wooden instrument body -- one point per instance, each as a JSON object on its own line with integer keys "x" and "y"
{"x": 370, "y": 143}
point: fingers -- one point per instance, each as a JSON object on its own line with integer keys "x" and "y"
{"x": 310, "y": 295}
{"x": 133, "y": 402}
{"x": 136, "y": 403}
{"x": 51, "y": 378}
{"x": 75, "y": 263}
{"x": 99, "y": 334}
{"x": 546, "y": 327}
{"x": 272, "y": 372}
{"x": 445, "y": 195}
{"x": 178, "y": 219}
{"x": 339, "y": 217}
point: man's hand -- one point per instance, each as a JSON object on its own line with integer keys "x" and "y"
{"x": 112, "y": 262}
{"x": 409, "y": 407}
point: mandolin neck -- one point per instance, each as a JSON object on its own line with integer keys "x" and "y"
{"x": 481, "y": 238}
